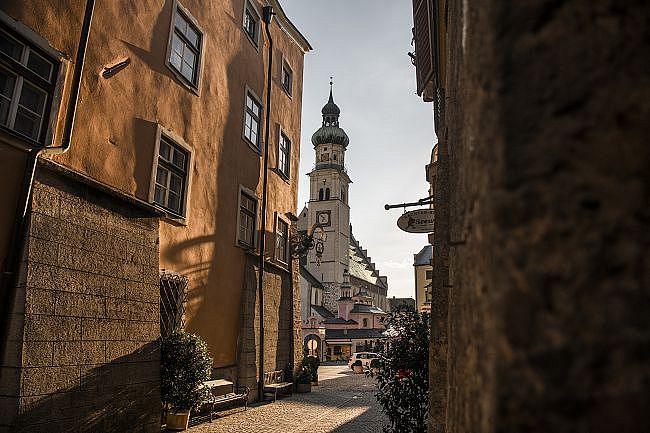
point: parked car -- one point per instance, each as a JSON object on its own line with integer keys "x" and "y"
{"x": 364, "y": 357}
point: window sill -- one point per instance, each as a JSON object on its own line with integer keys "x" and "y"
{"x": 289, "y": 95}
{"x": 252, "y": 146}
{"x": 283, "y": 176}
{"x": 184, "y": 81}
{"x": 177, "y": 220}
{"x": 255, "y": 45}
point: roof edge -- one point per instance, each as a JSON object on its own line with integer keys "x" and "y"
{"x": 290, "y": 28}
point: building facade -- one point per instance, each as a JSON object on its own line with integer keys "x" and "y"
{"x": 151, "y": 218}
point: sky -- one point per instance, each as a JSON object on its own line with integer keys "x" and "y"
{"x": 363, "y": 44}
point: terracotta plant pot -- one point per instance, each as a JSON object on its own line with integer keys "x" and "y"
{"x": 177, "y": 421}
{"x": 303, "y": 387}
{"x": 358, "y": 369}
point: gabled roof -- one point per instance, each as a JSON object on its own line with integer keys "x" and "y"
{"x": 323, "y": 312}
{"x": 424, "y": 256}
{"x": 310, "y": 278}
{"x": 336, "y": 334}
{"x": 361, "y": 267}
{"x": 365, "y": 308}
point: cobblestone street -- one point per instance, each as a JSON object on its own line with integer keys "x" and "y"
{"x": 342, "y": 403}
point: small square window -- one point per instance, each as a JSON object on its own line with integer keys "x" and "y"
{"x": 171, "y": 179}
{"x": 287, "y": 78}
{"x": 252, "y": 24}
{"x": 281, "y": 241}
{"x": 429, "y": 274}
{"x": 247, "y": 219}
{"x": 284, "y": 155}
{"x": 185, "y": 50}
{"x": 253, "y": 120}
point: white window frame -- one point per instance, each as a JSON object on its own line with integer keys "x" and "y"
{"x": 194, "y": 87}
{"x": 250, "y": 5}
{"x": 278, "y": 259}
{"x": 50, "y": 118}
{"x": 286, "y": 66}
{"x": 256, "y": 147}
{"x": 285, "y": 176}
{"x": 177, "y": 140}
{"x": 251, "y": 194}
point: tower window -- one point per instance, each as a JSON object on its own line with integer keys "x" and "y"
{"x": 185, "y": 52}
{"x": 284, "y": 153}
{"x": 252, "y": 120}
{"x": 343, "y": 196}
{"x": 365, "y": 323}
{"x": 334, "y": 156}
{"x": 320, "y": 194}
{"x": 26, "y": 88}
{"x": 281, "y": 241}
{"x": 327, "y": 194}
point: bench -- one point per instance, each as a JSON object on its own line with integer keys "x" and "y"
{"x": 224, "y": 391}
{"x": 274, "y": 383}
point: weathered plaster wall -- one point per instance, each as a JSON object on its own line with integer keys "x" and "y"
{"x": 542, "y": 205}
{"x": 83, "y": 341}
{"x": 117, "y": 119}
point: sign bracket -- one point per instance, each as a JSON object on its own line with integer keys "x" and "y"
{"x": 422, "y": 201}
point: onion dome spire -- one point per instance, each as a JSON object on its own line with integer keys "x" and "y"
{"x": 330, "y": 132}
{"x": 331, "y": 111}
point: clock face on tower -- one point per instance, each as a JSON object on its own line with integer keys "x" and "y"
{"x": 323, "y": 218}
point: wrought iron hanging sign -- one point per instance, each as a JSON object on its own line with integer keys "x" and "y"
{"x": 417, "y": 221}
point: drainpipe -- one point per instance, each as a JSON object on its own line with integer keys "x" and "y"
{"x": 18, "y": 233}
{"x": 267, "y": 17}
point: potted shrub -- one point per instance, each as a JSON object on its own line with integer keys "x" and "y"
{"x": 357, "y": 366}
{"x": 310, "y": 364}
{"x": 303, "y": 382}
{"x": 185, "y": 365}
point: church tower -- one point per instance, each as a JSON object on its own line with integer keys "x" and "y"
{"x": 328, "y": 199}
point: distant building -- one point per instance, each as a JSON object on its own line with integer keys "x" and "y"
{"x": 401, "y": 304}
{"x": 423, "y": 278}
{"x": 344, "y": 292}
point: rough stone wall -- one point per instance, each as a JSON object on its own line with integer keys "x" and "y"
{"x": 331, "y": 294}
{"x": 83, "y": 343}
{"x": 548, "y": 222}
{"x": 282, "y": 336}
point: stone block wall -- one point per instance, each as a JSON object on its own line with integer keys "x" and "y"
{"x": 543, "y": 223}
{"x": 331, "y": 295}
{"x": 282, "y": 323}
{"x": 83, "y": 346}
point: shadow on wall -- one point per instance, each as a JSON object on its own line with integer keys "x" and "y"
{"x": 120, "y": 396}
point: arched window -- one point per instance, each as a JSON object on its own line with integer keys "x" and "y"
{"x": 327, "y": 194}
{"x": 320, "y": 194}
{"x": 334, "y": 156}
{"x": 365, "y": 323}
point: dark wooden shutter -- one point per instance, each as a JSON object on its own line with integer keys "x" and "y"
{"x": 423, "y": 52}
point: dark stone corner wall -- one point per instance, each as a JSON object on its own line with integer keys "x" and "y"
{"x": 543, "y": 207}
{"x": 282, "y": 323}
{"x": 83, "y": 347}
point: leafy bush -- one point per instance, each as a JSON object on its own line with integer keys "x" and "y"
{"x": 403, "y": 377}
{"x": 185, "y": 365}
{"x": 357, "y": 363}
{"x": 310, "y": 365}
{"x": 375, "y": 363}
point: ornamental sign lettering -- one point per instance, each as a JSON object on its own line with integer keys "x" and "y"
{"x": 417, "y": 221}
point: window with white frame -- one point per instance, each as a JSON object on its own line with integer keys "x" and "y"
{"x": 253, "y": 120}
{"x": 282, "y": 241}
{"x": 185, "y": 53}
{"x": 284, "y": 155}
{"x": 171, "y": 176}
{"x": 287, "y": 78}
{"x": 27, "y": 83}
{"x": 247, "y": 218}
{"x": 252, "y": 24}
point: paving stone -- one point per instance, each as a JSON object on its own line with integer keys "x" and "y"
{"x": 342, "y": 403}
